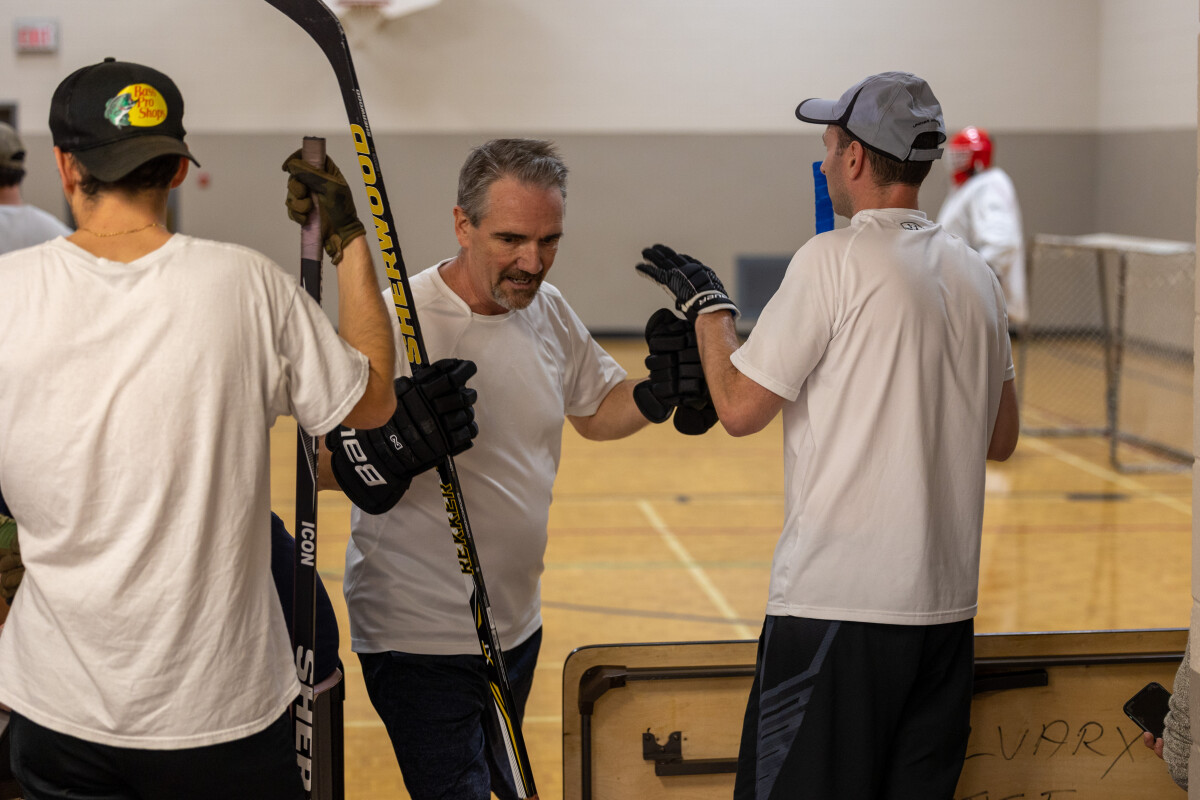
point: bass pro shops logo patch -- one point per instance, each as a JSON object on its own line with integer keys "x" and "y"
{"x": 138, "y": 105}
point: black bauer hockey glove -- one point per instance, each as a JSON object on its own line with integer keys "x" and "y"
{"x": 695, "y": 288}
{"x": 340, "y": 224}
{"x": 676, "y": 381}
{"x": 434, "y": 418}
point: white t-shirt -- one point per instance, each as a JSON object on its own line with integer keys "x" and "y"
{"x": 984, "y": 211}
{"x": 889, "y": 339}
{"x": 24, "y": 226}
{"x": 134, "y": 456}
{"x": 403, "y": 585}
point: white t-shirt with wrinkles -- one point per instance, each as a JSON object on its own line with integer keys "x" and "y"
{"x": 134, "y": 455}
{"x": 890, "y": 341}
{"x": 403, "y": 585}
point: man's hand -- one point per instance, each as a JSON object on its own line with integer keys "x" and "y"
{"x": 339, "y": 220}
{"x": 676, "y": 381}
{"x": 434, "y": 414}
{"x": 695, "y": 288}
{"x": 1152, "y": 744}
{"x": 434, "y": 418}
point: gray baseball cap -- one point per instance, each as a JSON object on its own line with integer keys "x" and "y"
{"x": 885, "y": 112}
{"x": 12, "y": 152}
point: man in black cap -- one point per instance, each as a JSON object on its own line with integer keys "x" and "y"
{"x": 886, "y": 351}
{"x": 146, "y": 655}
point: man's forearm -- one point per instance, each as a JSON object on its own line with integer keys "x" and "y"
{"x": 743, "y": 406}
{"x": 717, "y": 339}
{"x": 364, "y": 323}
{"x": 617, "y": 416}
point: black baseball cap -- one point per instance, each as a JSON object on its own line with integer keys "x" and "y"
{"x": 115, "y": 116}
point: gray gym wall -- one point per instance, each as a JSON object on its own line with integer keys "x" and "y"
{"x": 675, "y": 116}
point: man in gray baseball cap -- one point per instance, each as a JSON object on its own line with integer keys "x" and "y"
{"x": 21, "y": 225}
{"x": 886, "y": 352}
{"x": 887, "y": 113}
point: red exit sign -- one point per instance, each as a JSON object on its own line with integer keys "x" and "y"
{"x": 36, "y": 35}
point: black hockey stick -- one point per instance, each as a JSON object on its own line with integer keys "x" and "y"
{"x": 323, "y": 26}
{"x": 304, "y": 590}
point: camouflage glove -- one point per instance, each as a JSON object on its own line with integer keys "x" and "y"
{"x": 340, "y": 224}
{"x": 11, "y": 567}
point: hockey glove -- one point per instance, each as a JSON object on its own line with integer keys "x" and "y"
{"x": 676, "y": 381}
{"x": 695, "y": 288}
{"x": 434, "y": 418}
{"x": 12, "y": 569}
{"x": 340, "y": 224}
{"x": 696, "y": 415}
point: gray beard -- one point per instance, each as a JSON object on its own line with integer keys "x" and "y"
{"x": 513, "y": 302}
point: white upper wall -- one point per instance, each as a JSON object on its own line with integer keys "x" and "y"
{"x": 1148, "y": 64}
{"x": 543, "y": 66}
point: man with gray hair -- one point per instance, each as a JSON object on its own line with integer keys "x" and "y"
{"x": 21, "y": 225}
{"x": 886, "y": 350}
{"x": 410, "y": 618}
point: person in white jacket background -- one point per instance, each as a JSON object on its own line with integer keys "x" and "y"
{"x": 982, "y": 209}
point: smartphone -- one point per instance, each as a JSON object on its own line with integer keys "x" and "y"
{"x": 1148, "y": 708}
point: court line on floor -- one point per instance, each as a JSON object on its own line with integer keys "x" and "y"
{"x": 697, "y": 572}
{"x": 640, "y": 612}
{"x": 1082, "y": 464}
{"x": 544, "y": 719}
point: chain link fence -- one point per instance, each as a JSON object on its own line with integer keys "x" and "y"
{"x": 1107, "y": 349}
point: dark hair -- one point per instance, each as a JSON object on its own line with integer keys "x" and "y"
{"x": 11, "y": 176}
{"x": 157, "y": 173}
{"x": 887, "y": 170}
{"x": 531, "y": 161}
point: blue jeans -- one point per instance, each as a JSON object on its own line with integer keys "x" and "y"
{"x": 439, "y": 715}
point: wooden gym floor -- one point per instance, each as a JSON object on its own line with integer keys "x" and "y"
{"x": 662, "y": 537}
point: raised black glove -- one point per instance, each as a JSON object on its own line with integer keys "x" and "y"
{"x": 695, "y": 288}
{"x": 340, "y": 224}
{"x": 676, "y": 381}
{"x": 434, "y": 418}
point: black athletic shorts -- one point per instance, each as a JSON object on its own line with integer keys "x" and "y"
{"x": 857, "y": 711}
{"x": 55, "y": 766}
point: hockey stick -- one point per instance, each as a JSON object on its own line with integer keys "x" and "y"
{"x": 322, "y": 25}
{"x": 822, "y": 203}
{"x": 304, "y": 591}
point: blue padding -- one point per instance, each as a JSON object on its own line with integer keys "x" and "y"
{"x": 821, "y": 201}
